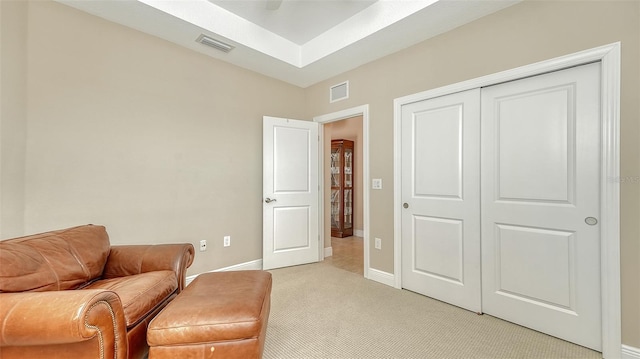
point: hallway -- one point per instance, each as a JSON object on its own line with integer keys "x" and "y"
{"x": 348, "y": 254}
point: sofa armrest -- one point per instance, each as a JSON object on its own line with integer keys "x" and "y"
{"x": 136, "y": 259}
{"x": 89, "y": 320}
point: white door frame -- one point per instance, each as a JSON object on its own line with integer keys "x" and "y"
{"x": 609, "y": 57}
{"x": 333, "y": 117}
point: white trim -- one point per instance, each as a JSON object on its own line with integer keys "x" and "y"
{"x": 362, "y": 110}
{"x": 579, "y": 58}
{"x": 251, "y": 265}
{"x": 609, "y": 57}
{"x": 381, "y": 277}
{"x": 358, "y": 233}
{"x": 610, "y": 204}
{"x": 629, "y": 352}
{"x": 328, "y": 252}
{"x": 397, "y": 188}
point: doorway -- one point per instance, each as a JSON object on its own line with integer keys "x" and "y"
{"x": 346, "y": 248}
{"x": 343, "y": 172}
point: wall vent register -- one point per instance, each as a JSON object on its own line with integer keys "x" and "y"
{"x": 339, "y": 92}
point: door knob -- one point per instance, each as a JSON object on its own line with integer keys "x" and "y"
{"x": 269, "y": 200}
{"x": 592, "y": 221}
{"x": 405, "y": 205}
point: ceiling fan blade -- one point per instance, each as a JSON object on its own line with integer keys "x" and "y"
{"x": 273, "y": 4}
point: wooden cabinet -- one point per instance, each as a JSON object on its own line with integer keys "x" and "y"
{"x": 342, "y": 188}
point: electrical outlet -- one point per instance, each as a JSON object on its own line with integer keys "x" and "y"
{"x": 227, "y": 241}
{"x": 378, "y": 243}
{"x": 203, "y": 245}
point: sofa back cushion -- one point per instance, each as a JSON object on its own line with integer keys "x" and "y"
{"x": 57, "y": 260}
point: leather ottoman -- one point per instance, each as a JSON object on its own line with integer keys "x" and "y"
{"x": 219, "y": 315}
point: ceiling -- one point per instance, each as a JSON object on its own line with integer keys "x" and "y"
{"x": 301, "y": 42}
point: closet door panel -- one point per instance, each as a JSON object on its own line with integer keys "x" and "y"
{"x": 440, "y": 192}
{"x": 540, "y": 203}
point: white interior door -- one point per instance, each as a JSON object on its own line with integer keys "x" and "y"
{"x": 290, "y": 192}
{"x": 441, "y": 199}
{"x": 540, "y": 203}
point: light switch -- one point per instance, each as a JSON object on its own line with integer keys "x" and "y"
{"x": 376, "y": 183}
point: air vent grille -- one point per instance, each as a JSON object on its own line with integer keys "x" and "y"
{"x": 339, "y": 92}
{"x": 216, "y": 44}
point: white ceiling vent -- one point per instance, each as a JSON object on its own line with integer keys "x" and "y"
{"x": 339, "y": 92}
{"x": 216, "y": 44}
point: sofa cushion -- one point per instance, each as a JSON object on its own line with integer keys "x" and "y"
{"x": 140, "y": 293}
{"x": 57, "y": 260}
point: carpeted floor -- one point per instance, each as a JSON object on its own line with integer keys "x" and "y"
{"x": 320, "y": 311}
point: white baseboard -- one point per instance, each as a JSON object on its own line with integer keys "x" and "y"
{"x": 190, "y": 279}
{"x": 629, "y": 352}
{"x": 381, "y": 277}
{"x": 358, "y": 233}
{"x": 328, "y": 251}
{"x": 252, "y": 265}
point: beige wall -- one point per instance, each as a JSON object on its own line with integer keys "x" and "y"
{"x": 522, "y": 34}
{"x": 348, "y": 129}
{"x": 156, "y": 142}
{"x": 164, "y": 145}
{"x": 13, "y": 43}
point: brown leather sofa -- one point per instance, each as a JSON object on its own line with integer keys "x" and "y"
{"x": 70, "y": 294}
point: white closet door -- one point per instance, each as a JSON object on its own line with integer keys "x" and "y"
{"x": 540, "y": 203}
{"x": 440, "y": 192}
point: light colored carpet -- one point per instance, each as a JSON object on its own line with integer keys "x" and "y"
{"x": 319, "y": 311}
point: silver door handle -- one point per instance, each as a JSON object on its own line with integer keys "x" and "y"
{"x": 269, "y": 200}
{"x": 406, "y": 205}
